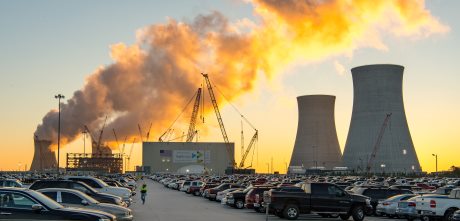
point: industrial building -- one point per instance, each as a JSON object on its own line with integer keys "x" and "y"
{"x": 44, "y": 158}
{"x": 378, "y": 139}
{"x": 316, "y": 144}
{"x": 99, "y": 163}
{"x": 187, "y": 157}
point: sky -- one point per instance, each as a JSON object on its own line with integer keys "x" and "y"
{"x": 50, "y": 47}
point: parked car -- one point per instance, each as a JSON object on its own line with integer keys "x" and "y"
{"x": 27, "y": 204}
{"x": 388, "y": 206}
{"x": 407, "y": 209}
{"x": 378, "y": 193}
{"x": 76, "y": 185}
{"x": 236, "y": 198}
{"x": 318, "y": 198}
{"x": 195, "y": 187}
{"x": 221, "y": 194}
{"x": 251, "y": 195}
{"x": 207, "y": 186}
{"x": 75, "y": 198}
{"x": 212, "y": 192}
{"x": 10, "y": 183}
{"x": 438, "y": 206}
{"x": 103, "y": 187}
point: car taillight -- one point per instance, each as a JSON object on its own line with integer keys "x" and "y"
{"x": 257, "y": 198}
{"x": 432, "y": 203}
{"x": 411, "y": 204}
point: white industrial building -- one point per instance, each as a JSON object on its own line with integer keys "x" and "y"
{"x": 187, "y": 157}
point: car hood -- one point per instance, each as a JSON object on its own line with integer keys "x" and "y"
{"x": 359, "y": 198}
{"x": 106, "y": 207}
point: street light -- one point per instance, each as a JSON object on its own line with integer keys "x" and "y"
{"x": 59, "y": 97}
{"x": 383, "y": 167}
{"x": 436, "y": 156}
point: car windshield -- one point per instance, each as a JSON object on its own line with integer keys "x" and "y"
{"x": 88, "y": 198}
{"x": 45, "y": 200}
{"x": 92, "y": 190}
{"x": 104, "y": 184}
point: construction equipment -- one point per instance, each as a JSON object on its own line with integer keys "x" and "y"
{"x": 140, "y": 132}
{"x": 100, "y": 136}
{"x": 378, "y": 142}
{"x": 148, "y": 132}
{"x": 93, "y": 141}
{"x": 128, "y": 158}
{"x": 116, "y": 139}
{"x": 219, "y": 119}
{"x": 253, "y": 141}
{"x": 196, "y": 107}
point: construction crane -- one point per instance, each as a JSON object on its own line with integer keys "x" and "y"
{"x": 196, "y": 107}
{"x": 148, "y": 132}
{"x": 140, "y": 132}
{"x": 378, "y": 142}
{"x": 93, "y": 141}
{"x": 253, "y": 141}
{"x": 100, "y": 136}
{"x": 128, "y": 158}
{"x": 116, "y": 139}
{"x": 219, "y": 119}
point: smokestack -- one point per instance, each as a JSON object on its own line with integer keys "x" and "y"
{"x": 316, "y": 143}
{"x": 44, "y": 157}
{"x": 378, "y": 92}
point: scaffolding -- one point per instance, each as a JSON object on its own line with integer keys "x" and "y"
{"x": 99, "y": 163}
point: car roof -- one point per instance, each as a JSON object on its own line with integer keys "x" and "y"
{"x": 58, "y": 189}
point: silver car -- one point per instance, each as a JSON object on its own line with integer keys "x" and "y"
{"x": 75, "y": 198}
{"x": 406, "y": 209}
{"x": 388, "y": 207}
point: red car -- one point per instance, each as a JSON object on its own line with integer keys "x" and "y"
{"x": 426, "y": 186}
{"x": 250, "y": 197}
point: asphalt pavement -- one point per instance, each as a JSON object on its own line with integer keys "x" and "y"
{"x": 163, "y": 204}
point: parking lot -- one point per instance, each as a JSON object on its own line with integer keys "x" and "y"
{"x": 163, "y": 204}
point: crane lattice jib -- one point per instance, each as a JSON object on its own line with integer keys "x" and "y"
{"x": 100, "y": 136}
{"x": 377, "y": 143}
{"x": 196, "y": 107}
{"x": 253, "y": 140}
{"x": 219, "y": 117}
{"x": 93, "y": 141}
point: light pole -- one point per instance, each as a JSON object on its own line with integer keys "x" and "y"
{"x": 59, "y": 97}
{"x": 383, "y": 168}
{"x": 436, "y": 156}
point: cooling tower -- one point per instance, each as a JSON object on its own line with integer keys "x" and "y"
{"x": 378, "y": 93}
{"x": 316, "y": 143}
{"x": 44, "y": 157}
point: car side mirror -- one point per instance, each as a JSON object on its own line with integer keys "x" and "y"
{"x": 84, "y": 202}
{"x": 37, "y": 207}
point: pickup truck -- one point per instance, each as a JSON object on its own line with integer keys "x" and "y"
{"x": 320, "y": 198}
{"x": 438, "y": 206}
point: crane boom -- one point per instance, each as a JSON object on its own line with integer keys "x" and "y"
{"x": 378, "y": 142}
{"x": 219, "y": 119}
{"x": 148, "y": 132}
{"x": 253, "y": 140}
{"x": 196, "y": 107}
{"x": 116, "y": 139}
{"x": 100, "y": 135}
{"x": 93, "y": 141}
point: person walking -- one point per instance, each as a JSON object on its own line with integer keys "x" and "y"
{"x": 143, "y": 193}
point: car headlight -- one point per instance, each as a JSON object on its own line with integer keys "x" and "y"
{"x": 128, "y": 213}
{"x": 368, "y": 201}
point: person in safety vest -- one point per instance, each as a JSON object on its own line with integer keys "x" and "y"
{"x": 143, "y": 192}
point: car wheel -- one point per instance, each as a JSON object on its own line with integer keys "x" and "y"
{"x": 358, "y": 213}
{"x": 449, "y": 215}
{"x": 239, "y": 204}
{"x": 261, "y": 210}
{"x": 425, "y": 218}
{"x": 291, "y": 212}
{"x": 196, "y": 193}
{"x": 334, "y": 215}
{"x": 344, "y": 216}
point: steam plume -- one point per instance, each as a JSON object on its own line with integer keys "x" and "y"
{"x": 150, "y": 80}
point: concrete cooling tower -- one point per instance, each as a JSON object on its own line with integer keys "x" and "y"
{"x": 378, "y": 94}
{"x": 316, "y": 143}
{"x": 44, "y": 157}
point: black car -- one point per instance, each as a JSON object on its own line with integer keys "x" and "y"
{"x": 77, "y": 185}
{"x": 378, "y": 193}
{"x": 26, "y": 204}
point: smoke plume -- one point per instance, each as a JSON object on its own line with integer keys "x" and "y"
{"x": 151, "y": 80}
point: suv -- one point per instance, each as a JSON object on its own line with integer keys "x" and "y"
{"x": 194, "y": 188}
{"x": 69, "y": 184}
{"x": 101, "y": 186}
{"x": 26, "y": 204}
{"x": 377, "y": 193}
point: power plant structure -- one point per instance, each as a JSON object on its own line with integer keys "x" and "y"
{"x": 316, "y": 144}
{"x": 44, "y": 158}
{"x": 378, "y": 139}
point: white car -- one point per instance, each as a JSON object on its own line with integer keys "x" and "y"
{"x": 220, "y": 195}
{"x": 185, "y": 185}
{"x": 103, "y": 187}
{"x": 438, "y": 206}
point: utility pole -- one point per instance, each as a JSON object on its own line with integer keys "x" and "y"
{"x": 59, "y": 97}
{"x": 436, "y": 156}
{"x": 84, "y": 141}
